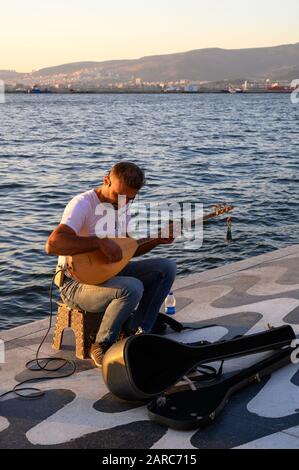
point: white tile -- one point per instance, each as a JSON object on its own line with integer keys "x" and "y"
{"x": 279, "y": 440}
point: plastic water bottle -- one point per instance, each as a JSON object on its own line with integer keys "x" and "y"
{"x": 170, "y": 303}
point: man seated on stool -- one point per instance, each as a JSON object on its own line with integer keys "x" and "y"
{"x": 143, "y": 284}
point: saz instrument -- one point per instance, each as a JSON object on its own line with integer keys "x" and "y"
{"x": 191, "y": 409}
{"x": 142, "y": 367}
{"x": 93, "y": 267}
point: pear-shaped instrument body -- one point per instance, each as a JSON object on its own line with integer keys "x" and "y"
{"x": 93, "y": 268}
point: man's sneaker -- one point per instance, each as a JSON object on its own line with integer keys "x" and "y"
{"x": 139, "y": 331}
{"x": 97, "y": 352}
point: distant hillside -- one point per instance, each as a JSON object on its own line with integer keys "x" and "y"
{"x": 65, "y": 68}
{"x": 202, "y": 64}
{"x": 285, "y": 73}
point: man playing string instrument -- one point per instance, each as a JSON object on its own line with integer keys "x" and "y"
{"x": 131, "y": 299}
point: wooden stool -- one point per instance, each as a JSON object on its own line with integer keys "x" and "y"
{"x": 84, "y": 325}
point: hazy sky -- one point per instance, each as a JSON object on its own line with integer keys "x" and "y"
{"x": 39, "y": 33}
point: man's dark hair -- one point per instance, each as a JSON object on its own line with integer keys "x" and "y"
{"x": 130, "y": 173}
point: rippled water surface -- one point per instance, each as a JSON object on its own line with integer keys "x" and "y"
{"x": 241, "y": 149}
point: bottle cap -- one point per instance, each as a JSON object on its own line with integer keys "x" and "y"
{"x": 170, "y": 293}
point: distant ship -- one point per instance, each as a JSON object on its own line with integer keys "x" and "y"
{"x": 232, "y": 90}
{"x": 280, "y": 88}
{"x": 235, "y": 90}
{"x": 36, "y": 90}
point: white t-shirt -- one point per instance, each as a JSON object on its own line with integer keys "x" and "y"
{"x": 88, "y": 216}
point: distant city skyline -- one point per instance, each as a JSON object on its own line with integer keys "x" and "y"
{"x": 36, "y": 34}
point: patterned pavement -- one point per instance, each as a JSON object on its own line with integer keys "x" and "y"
{"x": 80, "y": 412}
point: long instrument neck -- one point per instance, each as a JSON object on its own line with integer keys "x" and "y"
{"x": 205, "y": 218}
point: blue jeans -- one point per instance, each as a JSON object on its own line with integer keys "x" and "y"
{"x": 143, "y": 284}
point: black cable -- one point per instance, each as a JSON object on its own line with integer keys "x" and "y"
{"x": 40, "y": 364}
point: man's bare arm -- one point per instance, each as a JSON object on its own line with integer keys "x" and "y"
{"x": 146, "y": 247}
{"x": 151, "y": 243}
{"x": 63, "y": 241}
